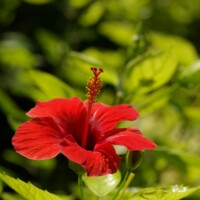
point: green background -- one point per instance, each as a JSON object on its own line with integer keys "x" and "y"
{"x": 149, "y": 50}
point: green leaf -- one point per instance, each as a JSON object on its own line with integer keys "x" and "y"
{"x": 53, "y": 47}
{"x": 27, "y": 190}
{"x": 92, "y": 15}
{"x": 9, "y": 196}
{"x": 190, "y": 159}
{"x": 190, "y": 75}
{"x": 78, "y": 4}
{"x": 153, "y": 101}
{"x": 102, "y": 185}
{"x": 12, "y": 157}
{"x": 50, "y": 85}
{"x": 41, "y": 85}
{"x": 184, "y": 50}
{"x": 15, "y": 115}
{"x": 38, "y": 1}
{"x": 1, "y": 187}
{"x": 7, "y": 12}
{"x": 164, "y": 193}
{"x": 145, "y": 74}
{"x": 14, "y": 53}
{"x": 192, "y": 112}
{"x": 9, "y": 107}
{"x": 118, "y": 58}
{"x": 118, "y": 32}
{"x": 77, "y": 70}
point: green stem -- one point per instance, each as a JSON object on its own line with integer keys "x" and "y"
{"x": 121, "y": 185}
{"x": 80, "y": 185}
{"x": 128, "y": 181}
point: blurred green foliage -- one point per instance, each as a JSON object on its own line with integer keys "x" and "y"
{"x": 149, "y": 50}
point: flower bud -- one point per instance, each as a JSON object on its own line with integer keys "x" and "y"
{"x": 133, "y": 159}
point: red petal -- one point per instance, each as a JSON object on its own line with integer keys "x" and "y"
{"x": 72, "y": 150}
{"x": 67, "y": 113}
{"x": 38, "y": 139}
{"x": 104, "y": 118}
{"x": 132, "y": 140}
{"x": 103, "y": 160}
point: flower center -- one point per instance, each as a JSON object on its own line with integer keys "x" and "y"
{"x": 93, "y": 88}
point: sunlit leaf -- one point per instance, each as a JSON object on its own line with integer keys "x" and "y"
{"x": 27, "y": 190}
{"x": 184, "y": 50}
{"x": 151, "y": 72}
{"x": 78, "y": 3}
{"x": 77, "y": 70}
{"x": 165, "y": 193}
{"x": 114, "y": 59}
{"x": 41, "y": 85}
{"x": 9, "y": 196}
{"x": 102, "y": 185}
{"x": 120, "y": 33}
{"x": 92, "y": 15}
{"x": 193, "y": 113}
{"x": 190, "y": 75}
{"x": 132, "y": 10}
{"x": 153, "y": 101}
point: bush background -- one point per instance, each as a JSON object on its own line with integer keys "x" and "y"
{"x": 149, "y": 50}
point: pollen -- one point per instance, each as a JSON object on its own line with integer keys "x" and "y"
{"x": 94, "y": 85}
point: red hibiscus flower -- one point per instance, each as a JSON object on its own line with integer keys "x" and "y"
{"x": 84, "y": 132}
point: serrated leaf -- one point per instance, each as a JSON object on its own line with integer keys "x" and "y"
{"x": 150, "y": 72}
{"x": 27, "y": 190}
{"x": 165, "y": 193}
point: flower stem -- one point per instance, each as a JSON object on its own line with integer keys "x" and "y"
{"x": 128, "y": 181}
{"x": 121, "y": 185}
{"x": 80, "y": 185}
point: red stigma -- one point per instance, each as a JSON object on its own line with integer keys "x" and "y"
{"x": 93, "y": 88}
{"x": 94, "y": 85}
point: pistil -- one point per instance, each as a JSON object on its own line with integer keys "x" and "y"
{"x": 93, "y": 88}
